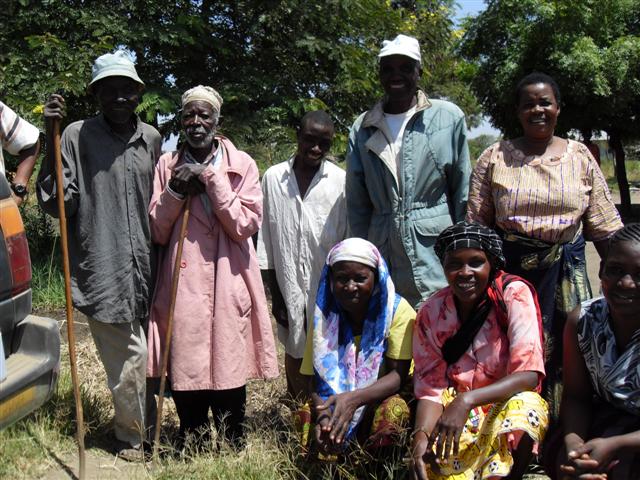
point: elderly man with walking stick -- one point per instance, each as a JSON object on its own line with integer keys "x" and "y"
{"x": 222, "y": 333}
{"x": 108, "y": 163}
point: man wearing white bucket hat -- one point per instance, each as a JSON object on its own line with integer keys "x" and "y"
{"x": 407, "y": 172}
{"x": 108, "y": 163}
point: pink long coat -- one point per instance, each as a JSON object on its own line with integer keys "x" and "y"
{"x": 222, "y": 330}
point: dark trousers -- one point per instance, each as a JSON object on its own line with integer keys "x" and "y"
{"x": 227, "y": 406}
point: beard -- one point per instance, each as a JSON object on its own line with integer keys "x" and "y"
{"x": 203, "y": 142}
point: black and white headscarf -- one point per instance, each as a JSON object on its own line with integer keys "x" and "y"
{"x": 470, "y": 235}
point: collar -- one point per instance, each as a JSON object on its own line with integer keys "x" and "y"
{"x": 321, "y": 170}
{"x": 140, "y": 132}
{"x": 375, "y": 116}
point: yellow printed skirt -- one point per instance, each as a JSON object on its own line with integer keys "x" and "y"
{"x": 484, "y": 451}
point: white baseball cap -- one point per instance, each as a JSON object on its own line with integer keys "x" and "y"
{"x": 401, "y": 45}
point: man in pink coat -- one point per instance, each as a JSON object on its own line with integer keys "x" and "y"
{"x": 222, "y": 331}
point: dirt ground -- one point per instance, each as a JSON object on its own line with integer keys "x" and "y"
{"x": 99, "y": 465}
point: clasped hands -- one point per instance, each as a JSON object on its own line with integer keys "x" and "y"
{"x": 333, "y": 419}
{"x": 186, "y": 179}
{"x": 589, "y": 460}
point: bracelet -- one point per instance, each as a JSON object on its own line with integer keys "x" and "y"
{"x": 418, "y": 430}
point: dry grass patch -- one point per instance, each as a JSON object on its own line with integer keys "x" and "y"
{"x": 43, "y": 445}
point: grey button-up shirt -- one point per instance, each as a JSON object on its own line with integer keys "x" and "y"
{"x": 107, "y": 183}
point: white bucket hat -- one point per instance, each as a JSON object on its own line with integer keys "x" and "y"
{"x": 401, "y": 45}
{"x": 116, "y": 64}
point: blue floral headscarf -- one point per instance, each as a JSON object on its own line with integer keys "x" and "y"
{"x": 338, "y": 367}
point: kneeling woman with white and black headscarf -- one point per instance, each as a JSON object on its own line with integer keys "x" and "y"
{"x": 478, "y": 355}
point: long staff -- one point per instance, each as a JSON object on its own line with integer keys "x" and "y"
{"x": 167, "y": 340}
{"x": 71, "y": 336}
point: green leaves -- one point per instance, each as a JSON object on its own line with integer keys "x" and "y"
{"x": 271, "y": 60}
{"x": 591, "y": 48}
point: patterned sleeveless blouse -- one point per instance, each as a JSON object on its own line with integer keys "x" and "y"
{"x": 615, "y": 376}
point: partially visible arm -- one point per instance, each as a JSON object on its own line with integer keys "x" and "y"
{"x": 461, "y": 169}
{"x": 446, "y": 434}
{"x": 602, "y": 246}
{"x": 27, "y": 158}
{"x": 46, "y": 182}
{"x": 601, "y": 218}
{"x": 165, "y": 206}
{"x": 359, "y": 206}
{"x": 345, "y": 404}
{"x": 575, "y": 409}
{"x": 21, "y": 139}
{"x": 264, "y": 251}
{"x": 593, "y": 459}
{"x": 278, "y": 305}
{"x": 501, "y": 390}
{"x": 480, "y": 207}
{"x": 427, "y": 415}
{"x": 239, "y": 212}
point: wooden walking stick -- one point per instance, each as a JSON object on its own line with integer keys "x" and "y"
{"x": 169, "y": 332}
{"x": 71, "y": 336}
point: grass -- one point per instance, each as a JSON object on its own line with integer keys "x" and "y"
{"x": 47, "y": 283}
{"x": 36, "y": 446}
{"x": 633, "y": 173}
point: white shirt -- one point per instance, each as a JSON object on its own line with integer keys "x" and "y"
{"x": 296, "y": 236}
{"x": 396, "y": 124}
{"x": 16, "y": 134}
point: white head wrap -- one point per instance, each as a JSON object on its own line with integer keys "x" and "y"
{"x": 401, "y": 45}
{"x": 205, "y": 94}
{"x": 354, "y": 250}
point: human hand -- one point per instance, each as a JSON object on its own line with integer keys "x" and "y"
{"x": 279, "y": 310}
{"x": 591, "y": 460}
{"x": 446, "y": 433}
{"x": 575, "y": 466}
{"x": 322, "y": 429}
{"x": 419, "y": 453}
{"x": 344, "y": 406}
{"x": 185, "y": 179}
{"x": 17, "y": 199}
{"x": 54, "y": 108}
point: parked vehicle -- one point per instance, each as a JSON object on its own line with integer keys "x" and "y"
{"x": 30, "y": 345}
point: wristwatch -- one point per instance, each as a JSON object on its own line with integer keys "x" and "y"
{"x": 19, "y": 189}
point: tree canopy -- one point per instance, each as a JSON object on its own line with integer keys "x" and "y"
{"x": 591, "y": 48}
{"x": 270, "y": 60}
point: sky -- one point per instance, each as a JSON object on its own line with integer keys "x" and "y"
{"x": 465, "y": 8}
{"x": 469, "y": 7}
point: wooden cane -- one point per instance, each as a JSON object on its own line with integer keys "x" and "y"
{"x": 169, "y": 332}
{"x": 71, "y": 336}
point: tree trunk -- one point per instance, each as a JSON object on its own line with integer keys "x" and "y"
{"x": 621, "y": 172}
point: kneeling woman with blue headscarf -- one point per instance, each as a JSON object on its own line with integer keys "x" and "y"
{"x": 358, "y": 350}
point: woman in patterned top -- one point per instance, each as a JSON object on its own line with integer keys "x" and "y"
{"x": 477, "y": 348}
{"x": 544, "y": 195}
{"x": 601, "y": 400}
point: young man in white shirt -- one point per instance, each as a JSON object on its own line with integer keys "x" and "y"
{"x": 304, "y": 216}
